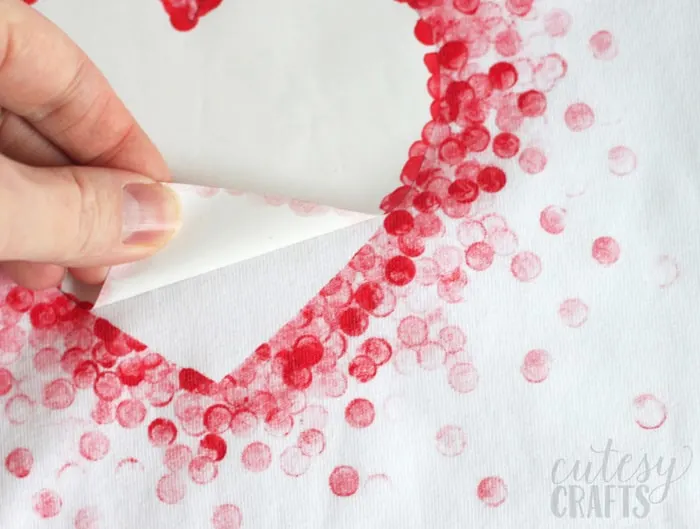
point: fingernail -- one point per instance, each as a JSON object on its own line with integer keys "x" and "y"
{"x": 150, "y": 214}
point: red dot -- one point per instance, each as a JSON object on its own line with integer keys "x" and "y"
{"x": 606, "y": 250}
{"x": 426, "y": 202}
{"x": 359, "y": 413}
{"x": 108, "y": 386}
{"x": 519, "y": 7}
{"x": 479, "y": 256}
{"x": 194, "y": 382}
{"x": 603, "y": 45}
{"x": 476, "y": 138}
{"x": 19, "y": 462}
{"x": 553, "y": 219}
{"x": 94, "y": 446}
{"x": 131, "y": 371}
{"x": 307, "y": 351}
{"x": 344, "y": 481}
{"x": 526, "y": 266}
{"x": 535, "y": 366}
{"x": 6, "y": 381}
{"x": 20, "y": 299}
{"x": 362, "y": 368}
{"x": 47, "y": 503}
{"x": 43, "y": 316}
{"x": 170, "y": 489}
{"x": 311, "y": 442}
{"x": 58, "y": 395}
{"x": 202, "y": 470}
{"x": 131, "y": 413}
{"x": 353, "y": 321}
{"x": 492, "y": 491}
{"x": 213, "y": 447}
{"x": 398, "y": 222}
{"x": 400, "y": 270}
{"x": 425, "y": 33}
{"x": 451, "y": 441}
{"x": 181, "y": 20}
{"x": 227, "y": 516}
{"x": 491, "y": 179}
{"x": 468, "y": 7}
{"x": 453, "y": 55}
{"x": 532, "y": 160}
{"x": 369, "y": 296}
{"x": 503, "y": 76}
{"x": 532, "y": 103}
{"x": 506, "y": 145}
{"x": 162, "y": 432}
{"x": 452, "y": 151}
{"x": 377, "y": 349}
{"x": 579, "y": 117}
{"x": 463, "y": 190}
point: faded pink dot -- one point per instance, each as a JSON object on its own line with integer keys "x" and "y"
{"x": 606, "y": 250}
{"x": 603, "y": 45}
{"x": 451, "y": 440}
{"x": 131, "y": 413}
{"x": 479, "y": 256}
{"x": 170, "y": 489}
{"x": 359, "y": 413}
{"x": 526, "y": 266}
{"x": 579, "y": 117}
{"x": 492, "y": 491}
{"x": 87, "y": 518}
{"x": 621, "y": 160}
{"x": 573, "y": 312}
{"x": 47, "y": 503}
{"x": 535, "y": 366}
{"x": 202, "y": 470}
{"x": 177, "y": 457}
{"x": 47, "y": 359}
{"x": 311, "y": 442}
{"x": 293, "y": 461}
{"x": 469, "y": 232}
{"x": 665, "y": 271}
{"x": 649, "y": 412}
{"x": 532, "y": 160}
{"x": 412, "y": 331}
{"x": 19, "y": 462}
{"x": 256, "y": 457}
{"x": 94, "y": 446}
{"x": 344, "y": 481}
{"x": 557, "y": 22}
{"x": 503, "y": 241}
{"x": 553, "y": 219}
{"x": 18, "y": 409}
{"x": 227, "y": 516}
{"x": 463, "y": 377}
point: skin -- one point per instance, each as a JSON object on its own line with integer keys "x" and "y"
{"x": 68, "y": 148}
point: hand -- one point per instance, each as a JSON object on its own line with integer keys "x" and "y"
{"x": 78, "y": 176}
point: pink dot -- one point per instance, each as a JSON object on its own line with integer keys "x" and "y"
{"x": 579, "y": 117}
{"x": 256, "y": 457}
{"x": 202, "y": 470}
{"x": 378, "y": 349}
{"x": 311, "y": 442}
{"x": 359, "y": 413}
{"x": 532, "y": 160}
{"x": 217, "y": 418}
{"x": 492, "y": 491}
{"x": 47, "y": 503}
{"x": 87, "y": 518}
{"x": 603, "y": 45}
{"x": 535, "y": 366}
{"x": 58, "y": 395}
{"x": 47, "y": 359}
{"x": 463, "y": 377}
{"x": 557, "y": 22}
{"x": 650, "y": 412}
{"x": 451, "y": 441}
{"x": 19, "y": 462}
{"x": 94, "y": 446}
{"x": 412, "y": 331}
{"x": 162, "y": 432}
{"x": 479, "y": 256}
{"x": 621, "y": 160}
{"x": 227, "y": 516}
{"x": 452, "y": 339}
{"x": 503, "y": 241}
{"x": 573, "y": 312}
{"x": 170, "y": 489}
{"x": 553, "y": 219}
{"x": 606, "y": 250}
{"x": 526, "y": 266}
{"x": 6, "y": 382}
{"x": 344, "y": 481}
{"x": 177, "y": 457}
{"x": 12, "y": 340}
{"x": 293, "y": 461}
{"x": 243, "y": 423}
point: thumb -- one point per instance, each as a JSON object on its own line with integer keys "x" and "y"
{"x": 82, "y": 216}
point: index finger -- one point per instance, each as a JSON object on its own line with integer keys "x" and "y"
{"x": 50, "y": 82}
